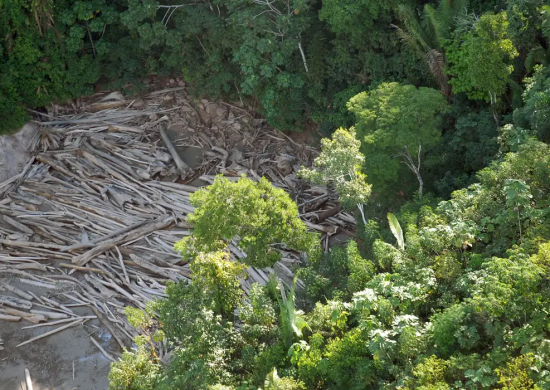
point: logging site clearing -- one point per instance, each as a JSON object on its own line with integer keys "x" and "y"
{"x": 93, "y": 197}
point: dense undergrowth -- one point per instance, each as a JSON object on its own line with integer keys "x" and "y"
{"x": 449, "y": 107}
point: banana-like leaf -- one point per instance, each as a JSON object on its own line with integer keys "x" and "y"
{"x": 396, "y": 230}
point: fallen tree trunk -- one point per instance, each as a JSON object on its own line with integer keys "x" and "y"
{"x": 84, "y": 258}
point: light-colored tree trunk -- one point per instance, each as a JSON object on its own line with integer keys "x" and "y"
{"x": 415, "y": 168}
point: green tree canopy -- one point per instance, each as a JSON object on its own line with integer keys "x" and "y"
{"x": 256, "y": 216}
{"x": 480, "y": 59}
{"x": 394, "y": 124}
{"x": 340, "y": 164}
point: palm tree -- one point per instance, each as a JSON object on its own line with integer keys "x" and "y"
{"x": 424, "y": 34}
{"x": 540, "y": 55}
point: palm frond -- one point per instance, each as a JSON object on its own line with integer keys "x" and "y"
{"x": 413, "y": 28}
{"x": 448, "y": 13}
{"x": 410, "y": 41}
{"x": 537, "y": 55}
{"x": 545, "y": 25}
{"x": 395, "y": 228}
{"x": 435, "y": 26}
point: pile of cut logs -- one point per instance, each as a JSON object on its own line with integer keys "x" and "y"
{"x": 93, "y": 217}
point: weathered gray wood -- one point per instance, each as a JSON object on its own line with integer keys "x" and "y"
{"x": 19, "y": 226}
{"x": 182, "y": 167}
{"x": 16, "y": 291}
{"x": 164, "y": 272}
{"x": 15, "y": 302}
{"x": 129, "y": 236}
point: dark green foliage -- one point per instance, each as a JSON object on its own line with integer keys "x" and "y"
{"x": 470, "y": 145}
{"x": 536, "y": 112}
{"x": 337, "y": 274}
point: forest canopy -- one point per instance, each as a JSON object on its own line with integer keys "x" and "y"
{"x": 436, "y": 122}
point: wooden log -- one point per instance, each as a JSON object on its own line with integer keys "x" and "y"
{"x": 177, "y": 186}
{"x": 31, "y": 317}
{"x": 164, "y": 272}
{"x": 95, "y": 241}
{"x": 7, "y": 317}
{"x": 183, "y": 168}
{"x": 34, "y": 266}
{"x": 101, "y": 317}
{"x": 107, "y": 355}
{"x": 85, "y": 269}
{"x": 26, "y": 244}
{"x": 129, "y": 236}
{"x": 28, "y": 379}
{"x": 50, "y": 314}
{"x": 328, "y": 213}
{"x": 58, "y": 322}
{"x": 38, "y": 284}
{"x": 327, "y": 229}
{"x": 15, "y": 302}
{"x": 19, "y": 226}
{"x": 77, "y": 322}
{"x": 16, "y": 291}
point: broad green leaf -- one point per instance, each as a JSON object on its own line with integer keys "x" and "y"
{"x": 396, "y": 230}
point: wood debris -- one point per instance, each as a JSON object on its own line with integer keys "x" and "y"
{"x": 93, "y": 217}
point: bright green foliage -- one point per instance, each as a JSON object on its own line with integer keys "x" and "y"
{"x": 138, "y": 318}
{"x": 360, "y": 270}
{"x": 430, "y": 374}
{"x": 292, "y": 319}
{"x": 396, "y": 230}
{"x": 480, "y": 59}
{"x": 453, "y": 309}
{"x": 218, "y": 277}
{"x": 137, "y": 370}
{"x": 202, "y": 340}
{"x": 340, "y": 164}
{"x": 394, "y": 124}
{"x": 273, "y": 382}
{"x": 256, "y": 216}
{"x": 516, "y": 375}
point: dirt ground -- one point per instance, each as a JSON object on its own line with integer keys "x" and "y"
{"x": 13, "y": 151}
{"x": 64, "y": 361}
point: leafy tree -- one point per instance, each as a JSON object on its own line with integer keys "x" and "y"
{"x": 137, "y": 370}
{"x": 340, "y": 164}
{"x": 394, "y": 123}
{"x": 537, "y": 54}
{"x": 516, "y": 374}
{"x": 256, "y": 216}
{"x": 425, "y": 36}
{"x": 536, "y": 111}
{"x": 480, "y": 59}
{"x": 218, "y": 277}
